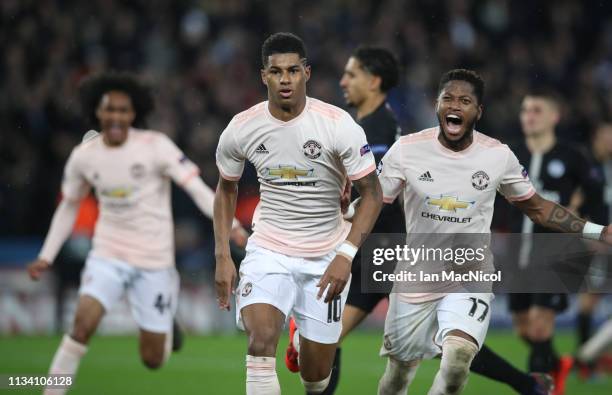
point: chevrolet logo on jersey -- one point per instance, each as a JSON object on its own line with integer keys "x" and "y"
{"x": 289, "y": 175}
{"x": 288, "y": 172}
{"x": 117, "y": 193}
{"x": 118, "y": 197}
{"x": 448, "y": 203}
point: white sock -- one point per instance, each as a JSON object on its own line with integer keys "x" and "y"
{"x": 168, "y": 346}
{"x": 261, "y": 376}
{"x": 66, "y": 361}
{"x": 596, "y": 344}
{"x": 315, "y": 387}
{"x": 397, "y": 377}
{"x": 457, "y": 356}
{"x": 296, "y": 340}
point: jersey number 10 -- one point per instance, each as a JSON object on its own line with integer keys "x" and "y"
{"x": 334, "y": 310}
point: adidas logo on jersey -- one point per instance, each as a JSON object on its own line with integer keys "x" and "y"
{"x": 261, "y": 149}
{"x": 426, "y": 177}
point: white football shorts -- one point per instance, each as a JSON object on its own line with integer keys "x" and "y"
{"x": 152, "y": 294}
{"x": 416, "y": 330}
{"x": 290, "y": 284}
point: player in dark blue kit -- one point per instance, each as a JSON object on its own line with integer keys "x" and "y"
{"x": 601, "y": 170}
{"x": 558, "y": 171}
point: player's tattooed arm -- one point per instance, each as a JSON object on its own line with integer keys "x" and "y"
{"x": 551, "y": 215}
{"x": 561, "y": 218}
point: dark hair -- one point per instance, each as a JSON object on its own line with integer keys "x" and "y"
{"x": 282, "y": 43}
{"x": 546, "y": 93}
{"x": 469, "y": 76}
{"x": 379, "y": 62}
{"x": 93, "y": 88}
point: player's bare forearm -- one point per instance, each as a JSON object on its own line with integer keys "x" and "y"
{"x": 338, "y": 272}
{"x": 368, "y": 209}
{"x": 224, "y": 208}
{"x": 225, "y": 271}
{"x": 551, "y": 215}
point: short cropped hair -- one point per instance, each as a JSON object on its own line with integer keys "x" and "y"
{"x": 381, "y": 63}
{"x": 469, "y": 76}
{"x": 93, "y": 88}
{"x": 282, "y": 42}
{"x": 546, "y": 93}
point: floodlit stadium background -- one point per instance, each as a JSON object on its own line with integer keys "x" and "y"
{"x": 202, "y": 58}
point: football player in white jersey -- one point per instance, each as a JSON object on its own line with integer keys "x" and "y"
{"x": 301, "y": 249}
{"x": 449, "y": 176}
{"x": 369, "y": 74}
{"x": 133, "y": 242}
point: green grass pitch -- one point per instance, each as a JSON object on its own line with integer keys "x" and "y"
{"x": 215, "y": 365}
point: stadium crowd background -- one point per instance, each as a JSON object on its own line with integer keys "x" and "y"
{"x": 202, "y": 59}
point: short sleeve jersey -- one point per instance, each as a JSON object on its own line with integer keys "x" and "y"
{"x": 450, "y": 192}
{"x": 301, "y": 165}
{"x": 132, "y": 185}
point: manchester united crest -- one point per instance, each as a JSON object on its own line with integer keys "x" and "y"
{"x": 480, "y": 180}
{"x": 312, "y": 149}
{"x": 387, "y": 342}
{"x": 246, "y": 290}
{"x": 137, "y": 170}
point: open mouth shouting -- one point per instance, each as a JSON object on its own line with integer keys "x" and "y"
{"x": 453, "y": 123}
{"x": 115, "y": 132}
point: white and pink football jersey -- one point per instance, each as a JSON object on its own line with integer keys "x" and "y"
{"x": 132, "y": 184}
{"x": 301, "y": 166}
{"x": 450, "y": 192}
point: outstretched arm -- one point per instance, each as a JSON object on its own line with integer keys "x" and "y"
{"x": 554, "y": 216}
{"x": 61, "y": 227}
{"x": 203, "y": 196}
{"x": 224, "y": 208}
{"x": 366, "y": 213}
